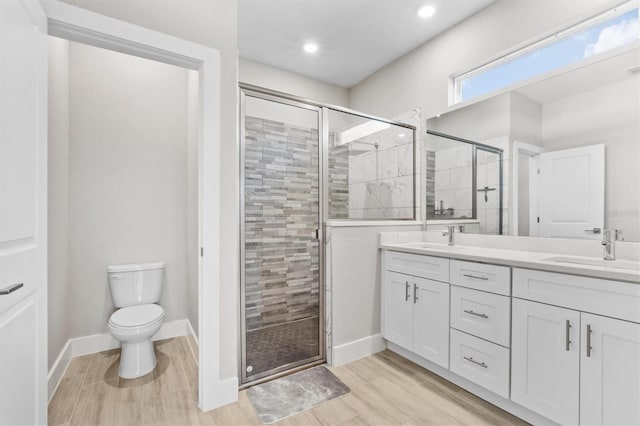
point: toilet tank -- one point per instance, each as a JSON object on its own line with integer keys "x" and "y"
{"x": 135, "y": 284}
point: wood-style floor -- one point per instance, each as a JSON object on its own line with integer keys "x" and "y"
{"x": 386, "y": 389}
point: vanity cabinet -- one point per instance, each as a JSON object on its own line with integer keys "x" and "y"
{"x": 545, "y": 360}
{"x": 416, "y": 309}
{"x": 565, "y": 347}
{"x": 571, "y": 366}
{"x": 609, "y": 371}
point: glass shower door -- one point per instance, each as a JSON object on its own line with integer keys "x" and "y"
{"x": 281, "y": 256}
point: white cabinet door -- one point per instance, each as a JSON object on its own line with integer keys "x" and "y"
{"x": 23, "y": 171}
{"x": 609, "y": 372}
{"x": 545, "y": 360}
{"x": 398, "y": 309}
{"x": 431, "y": 320}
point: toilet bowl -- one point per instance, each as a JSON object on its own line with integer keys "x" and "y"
{"x": 135, "y": 290}
{"x": 134, "y": 327}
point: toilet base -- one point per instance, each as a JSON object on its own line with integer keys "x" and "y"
{"x": 137, "y": 359}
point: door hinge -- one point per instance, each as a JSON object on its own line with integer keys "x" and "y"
{"x": 201, "y": 251}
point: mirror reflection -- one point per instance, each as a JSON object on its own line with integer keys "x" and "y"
{"x": 571, "y": 150}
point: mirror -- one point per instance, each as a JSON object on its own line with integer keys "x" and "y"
{"x": 570, "y": 153}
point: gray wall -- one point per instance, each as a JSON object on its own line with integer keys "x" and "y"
{"x": 252, "y": 72}
{"x": 213, "y": 24}
{"x": 420, "y": 79}
{"x": 118, "y": 183}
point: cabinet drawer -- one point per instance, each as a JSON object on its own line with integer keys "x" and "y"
{"x": 614, "y": 299}
{"x": 432, "y": 268}
{"x": 481, "y": 362}
{"x": 492, "y": 278}
{"x": 482, "y": 314}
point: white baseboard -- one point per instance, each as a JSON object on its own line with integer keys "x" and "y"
{"x": 103, "y": 342}
{"x": 58, "y": 368}
{"x": 357, "y": 349}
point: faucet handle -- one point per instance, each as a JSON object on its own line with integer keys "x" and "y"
{"x": 450, "y": 230}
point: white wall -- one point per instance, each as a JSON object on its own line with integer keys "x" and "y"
{"x": 118, "y": 183}
{"x": 213, "y": 24}
{"x": 420, "y": 79}
{"x": 257, "y": 74}
{"x": 606, "y": 115}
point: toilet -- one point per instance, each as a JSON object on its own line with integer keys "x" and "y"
{"x": 135, "y": 290}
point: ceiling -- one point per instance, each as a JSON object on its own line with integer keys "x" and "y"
{"x": 355, "y": 37}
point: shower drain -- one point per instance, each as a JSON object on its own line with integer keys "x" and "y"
{"x": 249, "y": 368}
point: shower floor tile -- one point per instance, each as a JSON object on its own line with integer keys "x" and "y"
{"x": 272, "y": 347}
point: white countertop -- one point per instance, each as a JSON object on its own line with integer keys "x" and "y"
{"x": 519, "y": 259}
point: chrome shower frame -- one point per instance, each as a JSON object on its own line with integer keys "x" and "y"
{"x": 323, "y": 185}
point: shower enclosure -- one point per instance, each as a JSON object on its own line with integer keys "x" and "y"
{"x": 303, "y": 163}
{"x": 464, "y": 182}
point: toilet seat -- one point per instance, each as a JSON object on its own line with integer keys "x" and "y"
{"x": 136, "y": 316}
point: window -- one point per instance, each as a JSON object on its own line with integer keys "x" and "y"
{"x": 602, "y": 33}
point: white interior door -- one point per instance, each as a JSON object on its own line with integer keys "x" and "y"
{"x": 571, "y": 193}
{"x": 23, "y": 168}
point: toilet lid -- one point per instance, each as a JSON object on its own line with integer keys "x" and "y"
{"x": 136, "y": 316}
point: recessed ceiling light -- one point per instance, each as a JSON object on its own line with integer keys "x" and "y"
{"x": 426, "y": 11}
{"x": 310, "y": 47}
{"x": 401, "y": 135}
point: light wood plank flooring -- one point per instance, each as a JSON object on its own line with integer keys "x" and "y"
{"x": 386, "y": 389}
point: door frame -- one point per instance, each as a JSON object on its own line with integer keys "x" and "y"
{"x": 530, "y": 150}
{"x": 265, "y": 94}
{"x": 80, "y": 25}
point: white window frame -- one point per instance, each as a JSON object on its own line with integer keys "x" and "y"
{"x": 576, "y": 26}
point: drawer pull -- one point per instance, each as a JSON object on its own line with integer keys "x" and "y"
{"x": 10, "y": 289}
{"x": 567, "y": 342}
{"x": 406, "y": 291}
{"x": 476, "y": 314}
{"x": 481, "y": 364}
{"x": 589, "y": 341}
{"x": 475, "y": 276}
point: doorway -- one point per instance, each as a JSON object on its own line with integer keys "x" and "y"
{"x": 281, "y": 247}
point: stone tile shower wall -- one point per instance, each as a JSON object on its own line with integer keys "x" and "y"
{"x": 281, "y": 216}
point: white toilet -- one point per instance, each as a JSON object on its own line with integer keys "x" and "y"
{"x": 135, "y": 290}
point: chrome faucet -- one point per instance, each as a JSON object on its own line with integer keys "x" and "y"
{"x": 609, "y": 245}
{"x": 449, "y": 233}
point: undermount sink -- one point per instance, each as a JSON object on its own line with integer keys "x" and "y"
{"x": 435, "y": 246}
{"x": 617, "y": 264}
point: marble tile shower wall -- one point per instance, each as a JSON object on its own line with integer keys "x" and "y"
{"x": 453, "y": 185}
{"x": 381, "y": 179}
{"x": 453, "y": 180}
{"x": 281, "y": 216}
